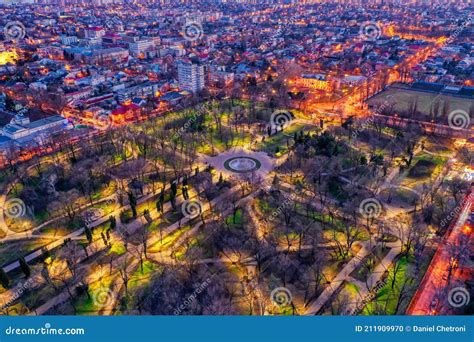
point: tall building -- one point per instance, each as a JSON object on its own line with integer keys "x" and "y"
{"x": 191, "y": 76}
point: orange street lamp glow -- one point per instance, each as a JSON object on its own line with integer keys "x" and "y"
{"x": 467, "y": 230}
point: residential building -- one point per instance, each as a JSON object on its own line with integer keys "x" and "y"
{"x": 191, "y": 76}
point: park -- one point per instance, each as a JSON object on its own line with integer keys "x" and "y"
{"x": 227, "y": 208}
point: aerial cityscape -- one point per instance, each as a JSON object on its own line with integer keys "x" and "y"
{"x": 236, "y": 157}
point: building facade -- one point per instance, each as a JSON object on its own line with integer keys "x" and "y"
{"x": 191, "y": 76}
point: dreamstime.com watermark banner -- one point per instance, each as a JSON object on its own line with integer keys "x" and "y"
{"x": 46, "y": 330}
{"x": 238, "y": 329}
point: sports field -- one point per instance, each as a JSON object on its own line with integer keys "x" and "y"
{"x": 405, "y": 101}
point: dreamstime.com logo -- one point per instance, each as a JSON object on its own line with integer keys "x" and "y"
{"x": 280, "y": 119}
{"x": 458, "y": 297}
{"x": 13, "y": 208}
{"x": 289, "y": 201}
{"x": 370, "y": 30}
{"x": 191, "y": 209}
{"x": 370, "y": 208}
{"x": 104, "y": 121}
{"x": 193, "y": 297}
{"x": 200, "y": 111}
{"x": 14, "y": 30}
{"x": 46, "y": 330}
{"x": 459, "y": 119}
{"x": 371, "y": 120}
{"x": 18, "y": 292}
{"x": 281, "y": 296}
{"x": 453, "y": 213}
{"x": 192, "y": 31}
{"x": 103, "y": 297}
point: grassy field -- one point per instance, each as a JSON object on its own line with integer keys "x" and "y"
{"x": 386, "y": 296}
{"x": 279, "y": 142}
{"x": 403, "y": 98}
{"x": 168, "y": 240}
{"x": 423, "y": 168}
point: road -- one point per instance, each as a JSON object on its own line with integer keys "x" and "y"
{"x": 428, "y": 291}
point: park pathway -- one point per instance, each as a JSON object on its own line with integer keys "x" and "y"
{"x": 314, "y": 307}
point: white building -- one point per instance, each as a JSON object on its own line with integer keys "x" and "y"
{"x": 68, "y": 40}
{"x": 142, "y": 90}
{"x": 140, "y": 46}
{"x": 191, "y": 76}
{"x": 20, "y": 127}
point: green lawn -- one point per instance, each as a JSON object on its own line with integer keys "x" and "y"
{"x": 168, "y": 240}
{"x": 117, "y": 248}
{"x": 423, "y": 168}
{"x": 139, "y": 277}
{"x": 86, "y": 305}
{"x": 235, "y": 219}
{"x": 386, "y": 295}
{"x": 281, "y": 140}
{"x": 352, "y": 290}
